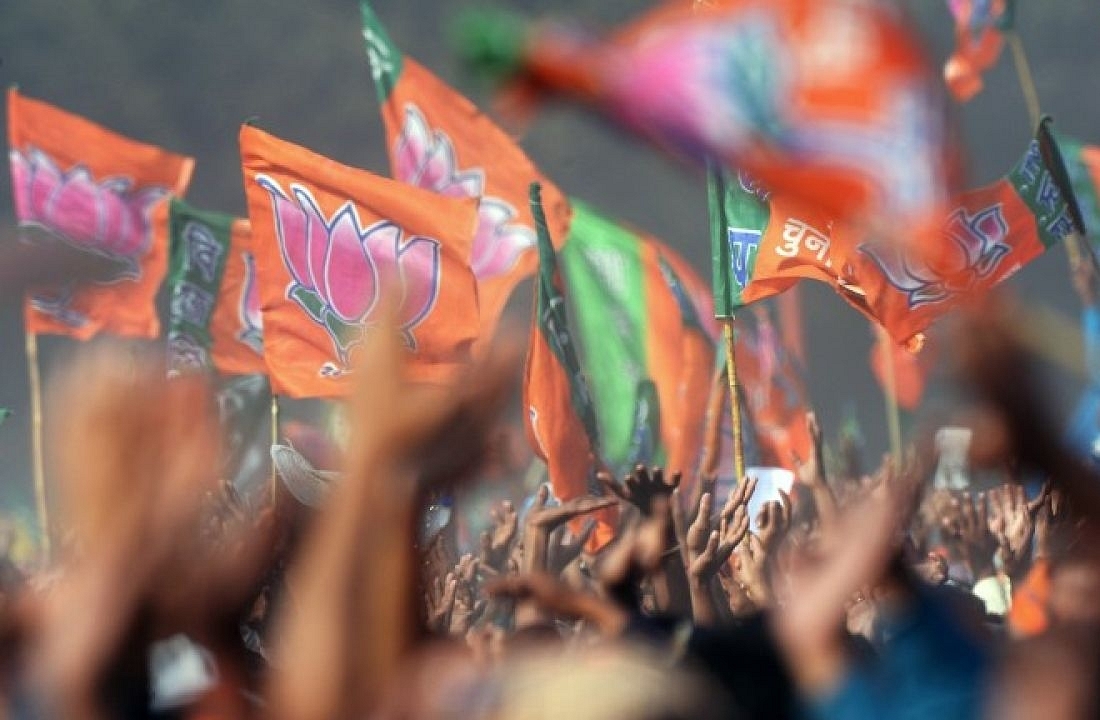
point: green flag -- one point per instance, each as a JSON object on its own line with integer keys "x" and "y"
{"x": 1083, "y": 167}
{"x": 738, "y": 220}
{"x": 199, "y": 243}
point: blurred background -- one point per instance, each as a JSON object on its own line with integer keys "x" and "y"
{"x": 185, "y": 73}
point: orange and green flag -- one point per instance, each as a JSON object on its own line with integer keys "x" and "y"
{"x": 561, "y": 415}
{"x": 990, "y": 234}
{"x": 214, "y": 318}
{"x": 333, "y": 246}
{"x": 438, "y": 140}
{"x": 979, "y": 39}
{"x": 830, "y": 102}
{"x": 99, "y": 193}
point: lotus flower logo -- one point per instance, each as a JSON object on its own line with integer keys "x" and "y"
{"x": 108, "y": 217}
{"x": 975, "y": 249}
{"x": 339, "y": 268}
{"x": 252, "y": 323}
{"x": 426, "y": 158}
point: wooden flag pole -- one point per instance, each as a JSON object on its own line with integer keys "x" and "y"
{"x": 274, "y": 442}
{"x": 35, "y": 383}
{"x": 735, "y": 405}
{"x": 893, "y": 415}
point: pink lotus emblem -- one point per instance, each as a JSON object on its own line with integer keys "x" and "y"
{"x": 106, "y": 217}
{"x": 426, "y": 158}
{"x": 339, "y": 269}
{"x": 251, "y": 318}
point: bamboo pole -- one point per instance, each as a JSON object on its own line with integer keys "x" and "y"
{"x": 37, "y": 462}
{"x": 893, "y": 415}
{"x": 735, "y": 404}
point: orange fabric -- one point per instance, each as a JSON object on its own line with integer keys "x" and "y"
{"x": 333, "y": 245}
{"x": 236, "y": 326}
{"x": 795, "y": 246}
{"x": 974, "y": 53}
{"x": 886, "y": 271}
{"x": 103, "y": 194}
{"x": 438, "y": 140}
{"x": 1029, "y": 614}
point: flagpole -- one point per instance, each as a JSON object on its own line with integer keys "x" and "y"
{"x": 1034, "y": 111}
{"x": 735, "y": 404}
{"x": 39, "y": 474}
{"x": 274, "y": 442}
{"x": 893, "y": 415}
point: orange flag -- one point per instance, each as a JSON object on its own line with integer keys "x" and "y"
{"x": 236, "y": 327}
{"x": 439, "y": 141}
{"x": 102, "y": 194}
{"x": 910, "y": 371}
{"x": 332, "y": 245}
{"x": 561, "y": 416}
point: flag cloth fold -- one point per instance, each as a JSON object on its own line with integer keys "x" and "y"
{"x": 334, "y": 245}
{"x": 100, "y": 193}
{"x": 629, "y": 324}
{"x": 438, "y": 140}
{"x": 560, "y": 421}
{"x": 213, "y": 311}
{"x": 979, "y": 39}
{"x": 988, "y": 235}
{"x": 830, "y": 102}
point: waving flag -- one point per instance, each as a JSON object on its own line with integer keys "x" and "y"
{"x": 979, "y": 25}
{"x": 561, "y": 416}
{"x": 629, "y": 323}
{"x": 214, "y": 309}
{"x": 761, "y": 244}
{"x": 910, "y": 371}
{"x": 1083, "y": 166}
{"x": 830, "y": 102}
{"x": 99, "y": 193}
{"x": 988, "y": 236}
{"x": 333, "y": 245}
{"x": 437, "y": 140}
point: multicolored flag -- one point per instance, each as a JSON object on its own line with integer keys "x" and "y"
{"x": 979, "y": 25}
{"x": 561, "y": 415}
{"x": 1083, "y": 166}
{"x": 830, "y": 102}
{"x": 987, "y": 237}
{"x": 628, "y": 322}
{"x": 102, "y": 194}
{"x": 439, "y": 141}
{"x": 693, "y": 373}
{"x": 214, "y": 315}
{"x": 333, "y": 246}
{"x": 761, "y": 244}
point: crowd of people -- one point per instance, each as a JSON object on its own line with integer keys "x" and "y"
{"x": 875, "y": 593}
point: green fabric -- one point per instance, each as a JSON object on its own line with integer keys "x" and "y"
{"x": 199, "y": 243}
{"x": 492, "y": 41}
{"x": 738, "y": 220}
{"x": 602, "y": 263}
{"x": 1041, "y": 181}
{"x": 1088, "y": 195}
{"x": 384, "y": 57}
{"x": 5, "y": 413}
{"x": 553, "y": 321}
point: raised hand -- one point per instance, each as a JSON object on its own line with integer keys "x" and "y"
{"x": 542, "y": 520}
{"x": 642, "y": 487}
{"x": 773, "y": 522}
{"x": 969, "y": 525}
{"x": 496, "y": 544}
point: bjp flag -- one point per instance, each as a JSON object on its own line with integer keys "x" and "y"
{"x": 214, "y": 304}
{"x": 990, "y": 234}
{"x": 561, "y": 415}
{"x": 439, "y": 141}
{"x": 979, "y": 28}
{"x": 695, "y": 364}
{"x": 830, "y": 102}
{"x": 333, "y": 245}
{"x": 102, "y": 194}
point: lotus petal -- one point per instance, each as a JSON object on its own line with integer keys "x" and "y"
{"x": 498, "y": 245}
{"x": 74, "y": 209}
{"x": 290, "y": 228}
{"x": 411, "y": 151}
{"x": 21, "y": 175}
{"x": 351, "y": 279}
{"x": 317, "y": 236}
{"x": 44, "y": 182}
{"x": 439, "y": 166}
{"x": 418, "y": 262}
